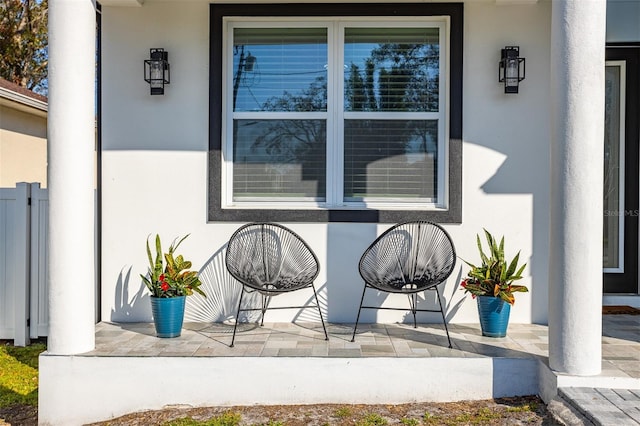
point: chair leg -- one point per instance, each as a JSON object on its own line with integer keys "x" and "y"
{"x": 326, "y": 336}
{"x": 444, "y": 320}
{"x": 235, "y": 326}
{"x": 353, "y": 338}
{"x": 265, "y": 303}
{"x": 413, "y": 301}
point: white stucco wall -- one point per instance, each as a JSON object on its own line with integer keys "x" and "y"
{"x": 154, "y": 167}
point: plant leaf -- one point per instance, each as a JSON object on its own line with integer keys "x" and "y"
{"x": 493, "y": 277}
{"x": 483, "y": 257}
{"x": 513, "y": 265}
{"x": 151, "y": 265}
{"x": 157, "y": 269}
{"x": 174, "y": 245}
{"x": 496, "y": 289}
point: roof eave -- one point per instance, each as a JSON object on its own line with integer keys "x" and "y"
{"x": 24, "y": 103}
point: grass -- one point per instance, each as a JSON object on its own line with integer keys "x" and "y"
{"x": 372, "y": 419}
{"x": 343, "y": 412}
{"x": 229, "y": 418}
{"x": 462, "y": 414}
{"x": 19, "y": 374}
{"x": 478, "y": 416}
{"x": 233, "y": 419}
{"x": 531, "y": 407}
{"x": 226, "y": 419}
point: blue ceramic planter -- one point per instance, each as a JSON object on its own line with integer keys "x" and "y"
{"x": 494, "y": 316}
{"x": 168, "y": 314}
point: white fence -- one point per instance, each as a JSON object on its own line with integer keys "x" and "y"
{"x": 23, "y": 260}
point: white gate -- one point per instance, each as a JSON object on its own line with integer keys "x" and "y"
{"x": 23, "y": 260}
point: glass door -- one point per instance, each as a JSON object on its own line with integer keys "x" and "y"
{"x": 621, "y": 210}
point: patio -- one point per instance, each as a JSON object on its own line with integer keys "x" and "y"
{"x": 620, "y": 350}
{"x": 306, "y": 339}
{"x": 285, "y": 363}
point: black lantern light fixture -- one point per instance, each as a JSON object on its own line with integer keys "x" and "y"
{"x": 511, "y": 69}
{"x": 156, "y": 70}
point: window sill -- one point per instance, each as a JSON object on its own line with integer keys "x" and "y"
{"x": 332, "y": 215}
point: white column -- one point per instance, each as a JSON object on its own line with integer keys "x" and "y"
{"x": 71, "y": 176}
{"x": 577, "y": 132}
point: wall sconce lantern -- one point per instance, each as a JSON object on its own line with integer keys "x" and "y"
{"x": 156, "y": 70}
{"x": 511, "y": 69}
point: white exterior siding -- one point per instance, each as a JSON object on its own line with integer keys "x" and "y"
{"x": 154, "y": 158}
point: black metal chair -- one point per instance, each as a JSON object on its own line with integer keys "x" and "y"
{"x": 408, "y": 258}
{"x": 271, "y": 259}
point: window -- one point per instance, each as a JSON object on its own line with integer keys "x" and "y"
{"x": 614, "y": 199}
{"x": 335, "y": 116}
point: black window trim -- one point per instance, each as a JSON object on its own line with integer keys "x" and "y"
{"x": 454, "y": 212}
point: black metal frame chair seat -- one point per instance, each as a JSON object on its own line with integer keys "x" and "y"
{"x": 271, "y": 259}
{"x": 408, "y": 258}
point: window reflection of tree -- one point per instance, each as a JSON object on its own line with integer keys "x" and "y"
{"x": 396, "y": 78}
{"x": 298, "y": 141}
{"x": 407, "y": 77}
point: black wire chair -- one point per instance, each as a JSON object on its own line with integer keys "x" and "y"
{"x": 408, "y": 258}
{"x": 271, "y": 259}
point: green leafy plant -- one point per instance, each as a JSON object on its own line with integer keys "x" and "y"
{"x": 494, "y": 276}
{"x": 169, "y": 275}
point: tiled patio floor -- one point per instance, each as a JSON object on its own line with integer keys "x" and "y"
{"x": 620, "y": 349}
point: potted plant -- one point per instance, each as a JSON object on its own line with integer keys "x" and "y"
{"x": 170, "y": 281}
{"x": 491, "y": 284}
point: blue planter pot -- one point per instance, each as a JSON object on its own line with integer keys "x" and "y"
{"x": 494, "y": 316}
{"x": 168, "y": 314}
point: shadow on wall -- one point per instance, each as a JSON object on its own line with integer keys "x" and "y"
{"x": 128, "y": 309}
{"x": 451, "y": 310}
{"x": 525, "y": 171}
{"x": 428, "y": 299}
{"x": 345, "y": 245}
{"x": 223, "y": 295}
{"x": 345, "y": 285}
{"x": 220, "y": 305}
